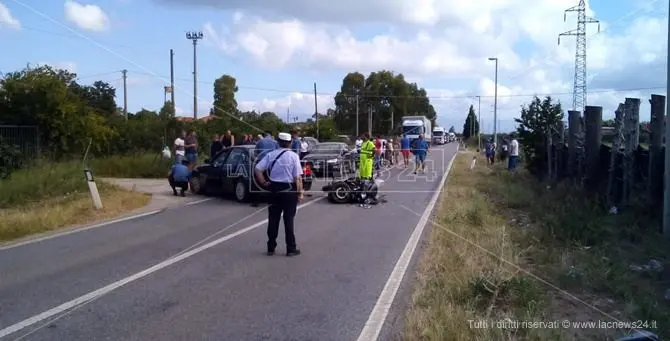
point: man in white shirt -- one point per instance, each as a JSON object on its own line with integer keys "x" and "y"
{"x": 513, "y": 153}
{"x": 179, "y": 151}
{"x": 304, "y": 148}
{"x": 358, "y": 143}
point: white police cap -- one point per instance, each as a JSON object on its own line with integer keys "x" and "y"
{"x": 284, "y": 137}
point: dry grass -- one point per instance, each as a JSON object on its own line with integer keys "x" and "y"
{"x": 506, "y": 247}
{"x": 72, "y": 209}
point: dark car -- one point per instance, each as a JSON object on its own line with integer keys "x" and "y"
{"x": 331, "y": 158}
{"x": 232, "y": 171}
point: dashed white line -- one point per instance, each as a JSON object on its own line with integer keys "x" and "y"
{"x": 113, "y": 286}
{"x": 197, "y": 201}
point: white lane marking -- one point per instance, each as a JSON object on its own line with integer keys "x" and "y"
{"x": 113, "y": 286}
{"x": 197, "y": 201}
{"x": 75, "y": 230}
{"x": 377, "y": 317}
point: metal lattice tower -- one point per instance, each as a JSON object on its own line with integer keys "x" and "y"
{"x": 579, "y": 87}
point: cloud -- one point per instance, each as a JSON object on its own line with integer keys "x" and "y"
{"x": 448, "y": 42}
{"x": 7, "y": 19}
{"x": 87, "y": 17}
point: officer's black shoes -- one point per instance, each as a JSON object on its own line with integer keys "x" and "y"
{"x": 270, "y": 253}
{"x": 174, "y": 193}
{"x": 292, "y": 253}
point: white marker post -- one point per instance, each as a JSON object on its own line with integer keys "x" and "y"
{"x": 93, "y": 188}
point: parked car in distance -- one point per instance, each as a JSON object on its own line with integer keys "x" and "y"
{"x": 231, "y": 171}
{"x": 331, "y": 158}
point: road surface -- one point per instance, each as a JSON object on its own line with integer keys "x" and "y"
{"x": 199, "y": 272}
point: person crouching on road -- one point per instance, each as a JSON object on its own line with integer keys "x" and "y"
{"x": 280, "y": 172}
{"x": 179, "y": 177}
{"x": 366, "y": 158}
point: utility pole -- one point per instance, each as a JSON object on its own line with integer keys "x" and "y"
{"x": 174, "y": 108}
{"x": 316, "y": 113}
{"x": 579, "y": 85}
{"x": 479, "y": 122}
{"x": 370, "y": 120}
{"x": 288, "y": 115}
{"x": 357, "y": 132}
{"x": 125, "y": 93}
{"x": 666, "y": 194}
{"x": 195, "y": 36}
{"x": 495, "y": 105}
{"x": 392, "y": 120}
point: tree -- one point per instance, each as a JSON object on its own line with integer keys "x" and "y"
{"x": 167, "y": 111}
{"x": 384, "y": 95}
{"x": 100, "y": 96}
{"x": 225, "y": 88}
{"x": 471, "y": 124}
{"x": 452, "y": 129}
{"x": 537, "y": 121}
{"x": 50, "y": 99}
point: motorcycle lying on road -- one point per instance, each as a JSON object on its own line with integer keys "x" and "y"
{"x": 353, "y": 190}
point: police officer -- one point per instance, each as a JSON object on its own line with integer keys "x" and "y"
{"x": 284, "y": 180}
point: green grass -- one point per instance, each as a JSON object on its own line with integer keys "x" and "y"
{"x": 557, "y": 244}
{"x": 40, "y": 182}
{"x": 133, "y": 166}
{"x": 49, "y": 180}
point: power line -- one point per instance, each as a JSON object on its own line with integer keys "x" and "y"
{"x": 311, "y": 93}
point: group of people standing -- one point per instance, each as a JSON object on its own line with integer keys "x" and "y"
{"x": 373, "y": 152}
{"x": 509, "y": 151}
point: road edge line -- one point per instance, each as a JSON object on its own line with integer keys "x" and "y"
{"x": 373, "y": 326}
{"x": 11, "y": 245}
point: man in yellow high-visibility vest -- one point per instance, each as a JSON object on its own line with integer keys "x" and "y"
{"x": 366, "y": 159}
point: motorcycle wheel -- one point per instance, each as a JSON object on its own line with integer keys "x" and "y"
{"x": 339, "y": 193}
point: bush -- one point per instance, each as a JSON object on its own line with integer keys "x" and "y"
{"x": 40, "y": 182}
{"x": 131, "y": 166}
{"x": 11, "y": 159}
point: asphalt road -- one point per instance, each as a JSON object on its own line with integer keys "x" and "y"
{"x": 123, "y": 282}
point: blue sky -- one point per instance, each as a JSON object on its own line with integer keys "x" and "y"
{"x": 140, "y": 33}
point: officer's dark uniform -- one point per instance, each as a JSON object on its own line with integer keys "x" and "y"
{"x": 283, "y": 167}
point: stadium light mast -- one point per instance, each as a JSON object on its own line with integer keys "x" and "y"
{"x": 195, "y": 36}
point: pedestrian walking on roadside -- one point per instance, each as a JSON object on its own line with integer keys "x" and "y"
{"x": 280, "y": 172}
{"x": 513, "y": 153}
{"x": 489, "y": 150}
{"x": 404, "y": 149}
{"x": 420, "y": 151}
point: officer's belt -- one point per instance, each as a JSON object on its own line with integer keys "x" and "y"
{"x": 276, "y": 187}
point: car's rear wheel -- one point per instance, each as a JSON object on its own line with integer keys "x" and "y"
{"x": 196, "y": 185}
{"x": 241, "y": 191}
